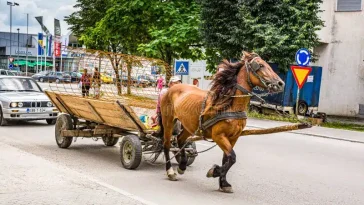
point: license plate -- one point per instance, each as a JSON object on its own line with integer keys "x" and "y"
{"x": 35, "y": 110}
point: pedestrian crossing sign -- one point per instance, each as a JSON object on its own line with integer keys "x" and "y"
{"x": 181, "y": 68}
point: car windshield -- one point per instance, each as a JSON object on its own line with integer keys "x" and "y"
{"x": 18, "y": 85}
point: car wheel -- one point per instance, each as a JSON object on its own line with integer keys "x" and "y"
{"x": 51, "y": 121}
{"x": 41, "y": 80}
{"x": 57, "y": 81}
{"x": 3, "y": 122}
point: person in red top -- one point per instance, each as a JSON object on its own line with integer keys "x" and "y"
{"x": 85, "y": 83}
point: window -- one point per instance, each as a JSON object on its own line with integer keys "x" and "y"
{"x": 349, "y": 5}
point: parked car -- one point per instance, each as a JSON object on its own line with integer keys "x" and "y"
{"x": 55, "y": 77}
{"x": 75, "y": 76}
{"x": 106, "y": 78}
{"x": 38, "y": 75}
{"x": 6, "y": 72}
{"x": 21, "y": 98}
{"x": 17, "y": 73}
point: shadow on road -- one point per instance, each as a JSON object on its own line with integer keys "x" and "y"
{"x": 17, "y": 124}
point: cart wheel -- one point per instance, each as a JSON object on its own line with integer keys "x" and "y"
{"x": 110, "y": 141}
{"x": 130, "y": 152}
{"x": 190, "y": 160}
{"x": 64, "y": 122}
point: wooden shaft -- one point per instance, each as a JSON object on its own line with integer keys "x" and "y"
{"x": 284, "y": 128}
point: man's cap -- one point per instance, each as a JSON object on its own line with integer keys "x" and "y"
{"x": 174, "y": 79}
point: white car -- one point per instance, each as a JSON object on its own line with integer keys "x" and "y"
{"x": 21, "y": 98}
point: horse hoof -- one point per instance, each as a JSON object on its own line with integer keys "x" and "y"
{"x": 226, "y": 189}
{"x": 210, "y": 173}
{"x": 172, "y": 177}
{"x": 180, "y": 171}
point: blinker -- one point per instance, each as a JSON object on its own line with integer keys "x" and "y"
{"x": 255, "y": 66}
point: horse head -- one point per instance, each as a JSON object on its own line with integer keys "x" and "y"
{"x": 260, "y": 74}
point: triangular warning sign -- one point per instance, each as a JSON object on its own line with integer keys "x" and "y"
{"x": 300, "y": 74}
{"x": 181, "y": 69}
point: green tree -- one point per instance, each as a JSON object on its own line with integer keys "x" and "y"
{"x": 273, "y": 29}
{"x": 173, "y": 29}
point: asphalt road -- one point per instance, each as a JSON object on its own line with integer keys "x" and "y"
{"x": 282, "y": 168}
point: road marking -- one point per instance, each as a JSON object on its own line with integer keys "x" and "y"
{"x": 125, "y": 193}
{"x": 81, "y": 175}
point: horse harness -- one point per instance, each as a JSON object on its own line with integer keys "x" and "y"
{"x": 251, "y": 67}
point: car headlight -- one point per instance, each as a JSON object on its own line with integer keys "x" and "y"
{"x": 49, "y": 104}
{"x": 13, "y": 104}
{"x": 20, "y": 104}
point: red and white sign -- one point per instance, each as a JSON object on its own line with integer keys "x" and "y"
{"x": 300, "y": 74}
{"x": 57, "y": 49}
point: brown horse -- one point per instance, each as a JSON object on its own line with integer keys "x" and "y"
{"x": 222, "y": 109}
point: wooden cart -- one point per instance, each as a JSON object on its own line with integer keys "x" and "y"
{"x": 109, "y": 120}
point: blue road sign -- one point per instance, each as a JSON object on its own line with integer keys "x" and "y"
{"x": 182, "y": 67}
{"x": 10, "y": 66}
{"x": 303, "y": 57}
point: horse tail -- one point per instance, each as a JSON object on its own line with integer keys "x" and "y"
{"x": 161, "y": 127}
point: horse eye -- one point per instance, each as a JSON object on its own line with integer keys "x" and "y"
{"x": 261, "y": 65}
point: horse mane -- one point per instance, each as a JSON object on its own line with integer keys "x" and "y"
{"x": 223, "y": 84}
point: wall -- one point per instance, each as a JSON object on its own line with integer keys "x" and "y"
{"x": 197, "y": 70}
{"x": 341, "y": 56}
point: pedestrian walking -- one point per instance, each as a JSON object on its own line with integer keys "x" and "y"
{"x": 96, "y": 79}
{"x": 160, "y": 83}
{"x": 85, "y": 83}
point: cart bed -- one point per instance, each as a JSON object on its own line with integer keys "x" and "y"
{"x": 108, "y": 112}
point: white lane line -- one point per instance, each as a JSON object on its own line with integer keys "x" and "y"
{"x": 125, "y": 193}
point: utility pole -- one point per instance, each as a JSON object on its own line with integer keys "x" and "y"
{"x": 11, "y": 4}
{"x": 18, "y": 45}
{"x": 26, "y": 58}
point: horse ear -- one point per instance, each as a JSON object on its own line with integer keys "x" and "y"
{"x": 245, "y": 55}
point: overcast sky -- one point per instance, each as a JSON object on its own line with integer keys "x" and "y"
{"x": 49, "y": 9}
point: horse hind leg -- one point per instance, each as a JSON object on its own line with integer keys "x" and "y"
{"x": 182, "y": 137}
{"x": 168, "y": 129}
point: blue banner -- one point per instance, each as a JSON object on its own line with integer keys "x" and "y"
{"x": 40, "y": 44}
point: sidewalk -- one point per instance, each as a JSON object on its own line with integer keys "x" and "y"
{"x": 29, "y": 179}
{"x": 338, "y": 134}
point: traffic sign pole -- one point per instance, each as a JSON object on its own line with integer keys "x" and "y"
{"x": 301, "y": 72}
{"x": 297, "y": 100}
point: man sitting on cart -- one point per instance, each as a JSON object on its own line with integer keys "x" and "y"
{"x": 156, "y": 118}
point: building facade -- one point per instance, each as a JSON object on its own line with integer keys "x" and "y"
{"x": 342, "y": 58}
{"x": 21, "y": 44}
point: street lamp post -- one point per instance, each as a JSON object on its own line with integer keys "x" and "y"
{"x": 18, "y": 45}
{"x": 11, "y": 4}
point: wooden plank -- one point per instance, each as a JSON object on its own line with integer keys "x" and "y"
{"x": 95, "y": 112}
{"x": 106, "y": 130}
{"x": 136, "y": 122}
{"x": 64, "y": 105}
{"x": 76, "y": 133}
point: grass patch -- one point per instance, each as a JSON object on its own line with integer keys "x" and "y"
{"x": 285, "y": 118}
{"x": 293, "y": 119}
{"x": 344, "y": 126}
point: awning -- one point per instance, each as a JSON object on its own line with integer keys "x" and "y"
{"x": 43, "y": 63}
{"x": 23, "y": 63}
